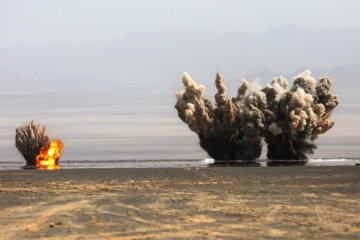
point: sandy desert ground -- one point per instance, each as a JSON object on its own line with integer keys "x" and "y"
{"x": 181, "y": 203}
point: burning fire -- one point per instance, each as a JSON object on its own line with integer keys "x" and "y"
{"x": 49, "y": 155}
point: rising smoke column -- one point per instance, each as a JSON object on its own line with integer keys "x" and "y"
{"x": 295, "y": 117}
{"x": 288, "y": 119}
{"x": 29, "y": 140}
{"x": 229, "y": 131}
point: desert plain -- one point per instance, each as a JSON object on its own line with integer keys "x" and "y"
{"x": 299, "y": 202}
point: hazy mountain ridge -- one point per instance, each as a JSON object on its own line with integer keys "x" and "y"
{"x": 155, "y": 60}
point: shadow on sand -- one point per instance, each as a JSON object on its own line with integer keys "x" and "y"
{"x": 269, "y": 163}
{"x": 275, "y": 163}
{"x": 235, "y": 164}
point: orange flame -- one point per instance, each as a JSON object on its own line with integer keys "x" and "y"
{"x": 49, "y": 155}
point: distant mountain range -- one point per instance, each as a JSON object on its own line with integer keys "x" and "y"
{"x": 154, "y": 61}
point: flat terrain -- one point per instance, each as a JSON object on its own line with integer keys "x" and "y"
{"x": 178, "y": 203}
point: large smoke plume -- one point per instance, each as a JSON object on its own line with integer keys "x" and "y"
{"x": 289, "y": 119}
{"x": 29, "y": 140}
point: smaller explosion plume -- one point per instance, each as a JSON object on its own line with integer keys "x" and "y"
{"x": 289, "y": 119}
{"x": 33, "y": 143}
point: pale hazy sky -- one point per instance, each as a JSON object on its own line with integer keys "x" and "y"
{"x": 76, "y": 21}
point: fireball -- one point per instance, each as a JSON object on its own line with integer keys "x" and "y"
{"x": 49, "y": 155}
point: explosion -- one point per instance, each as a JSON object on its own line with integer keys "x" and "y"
{"x": 33, "y": 143}
{"x": 289, "y": 120}
{"x": 49, "y": 155}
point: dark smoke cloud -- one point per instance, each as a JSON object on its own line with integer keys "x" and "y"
{"x": 288, "y": 119}
{"x": 29, "y": 140}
